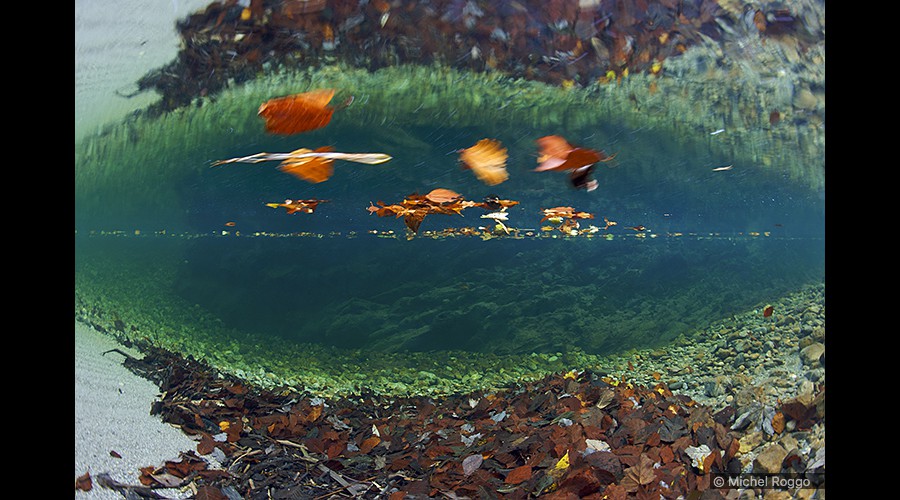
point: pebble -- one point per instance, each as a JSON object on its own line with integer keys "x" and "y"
{"x": 769, "y": 459}
{"x": 713, "y": 389}
{"x": 811, "y": 354}
{"x": 750, "y": 441}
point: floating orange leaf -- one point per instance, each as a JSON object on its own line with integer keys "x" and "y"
{"x": 487, "y": 159}
{"x": 298, "y": 113}
{"x": 313, "y": 166}
{"x": 309, "y": 168}
{"x": 564, "y": 213}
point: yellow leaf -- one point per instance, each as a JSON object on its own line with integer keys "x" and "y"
{"x": 563, "y": 463}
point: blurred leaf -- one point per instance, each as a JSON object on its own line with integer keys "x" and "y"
{"x": 298, "y": 113}
{"x": 309, "y": 168}
{"x": 487, "y": 159}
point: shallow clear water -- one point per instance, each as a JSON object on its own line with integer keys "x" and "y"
{"x": 158, "y": 230}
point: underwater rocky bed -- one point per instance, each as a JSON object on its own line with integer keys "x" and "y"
{"x": 663, "y": 421}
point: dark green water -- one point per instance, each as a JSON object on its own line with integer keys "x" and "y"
{"x": 502, "y": 295}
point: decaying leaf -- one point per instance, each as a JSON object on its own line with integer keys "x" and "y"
{"x": 298, "y": 113}
{"x": 369, "y": 443}
{"x": 641, "y": 474}
{"x": 518, "y": 475}
{"x": 595, "y": 445}
{"x": 698, "y": 455}
{"x": 487, "y": 160}
{"x": 471, "y": 463}
{"x": 84, "y": 482}
{"x": 778, "y": 422}
{"x": 605, "y": 398}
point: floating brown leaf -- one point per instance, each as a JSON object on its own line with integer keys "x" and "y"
{"x": 442, "y": 195}
{"x": 487, "y": 160}
{"x": 298, "y": 113}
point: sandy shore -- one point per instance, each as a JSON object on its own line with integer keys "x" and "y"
{"x": 112, "y": 413}
{"x": 116, "y": 43}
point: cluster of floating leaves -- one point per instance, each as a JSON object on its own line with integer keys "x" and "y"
{"x": 413, "y": 208}
{"x": 311, "y": 110}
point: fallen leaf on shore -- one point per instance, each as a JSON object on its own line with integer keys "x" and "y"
{"x": 518, "y": 475}
{"x": 641, "y": 474}
{"x": 778, "y": 422}
{"x": 369, "y": 443}
{"x": 84, "y": 482}
{"x": 471, "y": 463}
